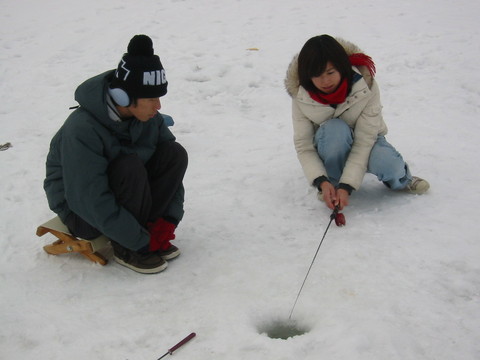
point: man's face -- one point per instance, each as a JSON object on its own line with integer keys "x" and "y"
{"x": 145, "y": 108}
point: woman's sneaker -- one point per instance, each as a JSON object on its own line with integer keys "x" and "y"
{"x": 145, "y": 263}
{"x": 320, "y": 196}
{"x": 417, "y": 186}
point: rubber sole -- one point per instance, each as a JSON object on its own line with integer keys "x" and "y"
{"x": 154, "y": 270}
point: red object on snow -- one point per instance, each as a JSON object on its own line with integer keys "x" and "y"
{"x": 340, "y": 219}
{"x": 181, "y": 343}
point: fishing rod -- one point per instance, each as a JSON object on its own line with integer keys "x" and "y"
{"x": 339, "y": 221}
{"x": 181, "y": 343}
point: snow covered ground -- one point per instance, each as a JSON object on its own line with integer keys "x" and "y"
{"x": 400, "y": 281}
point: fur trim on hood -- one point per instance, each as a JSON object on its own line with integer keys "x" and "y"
{"x": 292, "y": 82}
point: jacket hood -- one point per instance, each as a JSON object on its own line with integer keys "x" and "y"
{"x": 91, "y": 95}
{"x": 292, "y": 82}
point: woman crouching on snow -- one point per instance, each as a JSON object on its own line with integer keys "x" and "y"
{"x": 339, "y": 132}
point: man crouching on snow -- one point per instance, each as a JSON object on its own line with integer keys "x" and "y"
{"x": 114, "y": 168}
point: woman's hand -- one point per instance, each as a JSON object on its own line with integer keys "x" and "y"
{"x": 342, "y": 198}
{"x": 334, "y": 197}
{"x": 329, "y": 194}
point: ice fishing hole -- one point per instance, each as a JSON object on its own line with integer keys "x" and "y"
{"x": 282, "y": 329}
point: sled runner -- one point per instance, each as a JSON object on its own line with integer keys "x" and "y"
{"x": 67, "y": 243}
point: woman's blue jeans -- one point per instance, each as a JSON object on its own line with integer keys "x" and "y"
{"x": 334, "y": 140}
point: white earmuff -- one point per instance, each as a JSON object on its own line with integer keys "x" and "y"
{"x": 120, "y": 96}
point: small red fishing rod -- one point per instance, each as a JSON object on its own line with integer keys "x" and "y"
{"x": 181, "y": 343}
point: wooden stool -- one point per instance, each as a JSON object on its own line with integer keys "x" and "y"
{"x": 67, "y": 243}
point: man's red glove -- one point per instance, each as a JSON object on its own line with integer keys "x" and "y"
{"x": 161, "y": 232}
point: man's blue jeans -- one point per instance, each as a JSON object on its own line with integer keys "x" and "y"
{"x": 334, "y": 140}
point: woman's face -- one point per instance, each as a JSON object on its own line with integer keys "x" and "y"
{"x": 328, "y": 81}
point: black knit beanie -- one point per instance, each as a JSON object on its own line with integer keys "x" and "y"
{"x": 140, "y": 73}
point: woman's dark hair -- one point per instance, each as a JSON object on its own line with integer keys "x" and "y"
{"x": 314, "y": 56}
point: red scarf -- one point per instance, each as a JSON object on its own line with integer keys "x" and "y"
{"x": 340, "y": 94}
{"x": 336, "y": 97}
{"x": 360, "y": 59}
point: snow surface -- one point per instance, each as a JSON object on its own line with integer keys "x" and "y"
{"x": 400, "y": 281}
